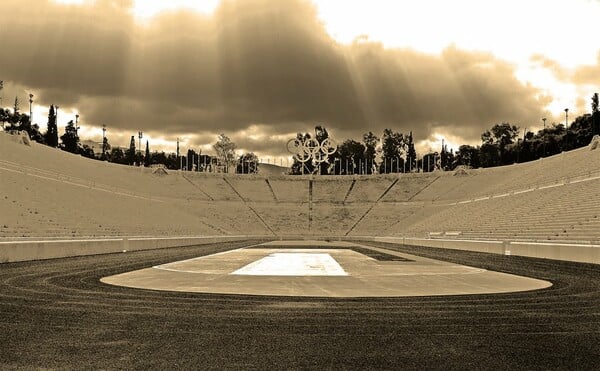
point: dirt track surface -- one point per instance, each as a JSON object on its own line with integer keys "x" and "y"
{"x": 56, "y": 314}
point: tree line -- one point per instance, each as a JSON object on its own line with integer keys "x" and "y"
{"x": 226, "y": 159}
{"x": 501, "y": 145}
{"x": 393, "y": 152}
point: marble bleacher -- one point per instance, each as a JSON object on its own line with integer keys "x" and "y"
{"x": 45, "y": 192}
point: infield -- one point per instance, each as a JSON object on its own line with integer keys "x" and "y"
{"x": 321, "y": 269}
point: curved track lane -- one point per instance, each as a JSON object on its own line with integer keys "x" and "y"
{"x": 56, "y": 314}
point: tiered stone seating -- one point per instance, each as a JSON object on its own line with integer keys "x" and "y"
{"x": 329, "y": 219}
{"x": 330, "y": 190}
{"x": 251, "y": 189}
{"x": 369, "y": 188}
{"x": 49, "y": 193}
{"x": 212, "y": 185}
{"x": 290, "y": 190}
{"x": 408, "y": 186}
{"x": 46, "y": 207}
{"x": 383, "y": 218}
{"x": 567, "y": 212}
{"x": 285, "y": 218}
{"x": 227, "y": 217}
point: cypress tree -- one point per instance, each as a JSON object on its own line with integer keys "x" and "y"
{"x": 147, "y": 158}
{"x": 411, "y": 153}
{"x": 52, "y": 131}
{"x": 131, "y": 151}
{"x": 595, "y": 114}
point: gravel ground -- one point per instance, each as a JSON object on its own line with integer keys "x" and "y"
{"x": 57, "y": 315}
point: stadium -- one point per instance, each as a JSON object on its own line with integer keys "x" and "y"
{"x": 111, "y": 266}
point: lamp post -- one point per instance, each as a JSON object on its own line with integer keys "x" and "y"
{"x": 544, "y": 119}
{"x": 30, "y": 109}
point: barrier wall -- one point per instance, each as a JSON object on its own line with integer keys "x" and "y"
{"x": 15, "y": 251}
{"x": 569, "y": 252}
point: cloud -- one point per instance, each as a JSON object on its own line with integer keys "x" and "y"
{"x": 252, "y": 64}
{"x": 560, "y": 72}
{"x": 588, "y": 74}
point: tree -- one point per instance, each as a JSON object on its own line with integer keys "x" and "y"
{"x": 130, "y": 153}
{"x": 87, "y": 151}
{"x": 52, "y": 130}
{"x": 446, "y": 158}
{"x": 392, "y": 149}
{"x": 500, "y": 136}
{"x": 105, "y": 148}
{"x": 4, "y": 116}
{"x": 350, "y": 158}
{"x": 147, "y": 157}
{"x": 191, "y": 159}
{"x": 321, "y": 134}
{"x": 467, "y": 156}
{"x": 595, "y": 115}
{"x": 117, "y": 156}
{"x": 225, "y": 150}
{"x": 370, "y": 141}
{"x": 16, "y": 106}
{"x": 247, "y": 164}
{"x": 70, "y": 139}
{"x": 411, "y": 153}
{"x": 489, "y": 155}
{"x": 205, "y": 162}
{"x": 430, "y": 162}
{"x": 302, "y": 167}
{"x": 35, "y": 134}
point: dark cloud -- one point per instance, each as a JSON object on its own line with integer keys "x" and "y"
{"x": 253, "y": 62}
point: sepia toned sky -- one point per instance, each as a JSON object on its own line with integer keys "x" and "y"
{"x": 262, "y": 70}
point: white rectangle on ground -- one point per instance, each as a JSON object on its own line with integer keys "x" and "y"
{"x": 293, "y": 264}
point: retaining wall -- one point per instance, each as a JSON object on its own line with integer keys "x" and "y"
{"x": 569, "y": 252}
{"x": 14, "y": 251}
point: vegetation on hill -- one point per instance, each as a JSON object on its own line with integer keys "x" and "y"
{"x": 394, "y": 152}
{"x": 501, "y": 145}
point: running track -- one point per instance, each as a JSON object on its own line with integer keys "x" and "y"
{"x": 56, "y": 314}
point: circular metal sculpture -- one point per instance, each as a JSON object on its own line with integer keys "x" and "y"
{"x": 311, "y": 149}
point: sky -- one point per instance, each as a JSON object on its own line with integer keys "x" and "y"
{"x": 262, "y": 70}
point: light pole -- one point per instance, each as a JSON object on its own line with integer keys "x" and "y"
{"x": 30, "y": 109}
{"x": 544, "y": 119}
